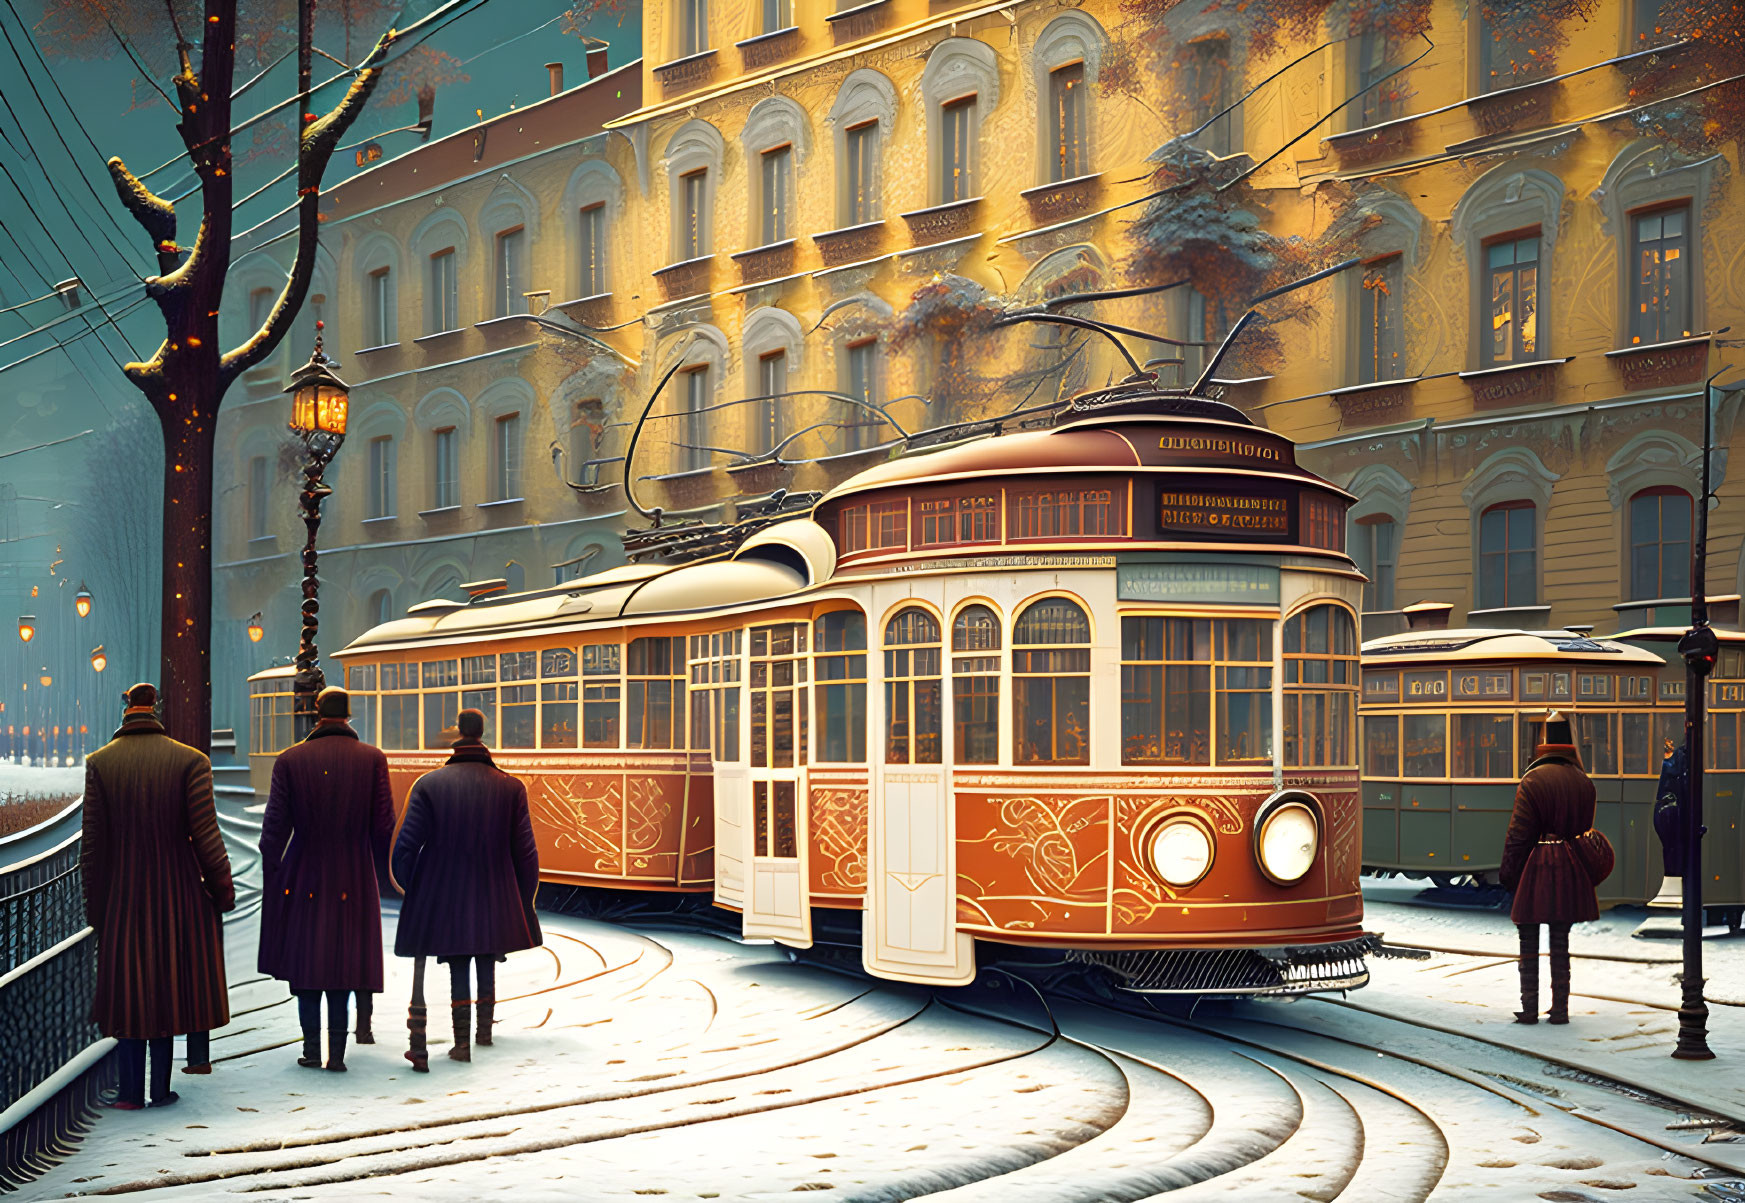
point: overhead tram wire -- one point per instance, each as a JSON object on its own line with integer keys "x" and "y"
{"x": 55, "y": 125}
{"x": 61, "y": 345}
{"x": 51, "y": 241}
{"x": 401, "y": 47}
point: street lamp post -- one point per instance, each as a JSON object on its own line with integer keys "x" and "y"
{"x": 318, "y": 412}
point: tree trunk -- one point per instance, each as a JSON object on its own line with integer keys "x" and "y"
{"x": 186, "y": 641}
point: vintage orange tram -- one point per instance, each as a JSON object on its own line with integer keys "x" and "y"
{"x": 1089, "y": 687}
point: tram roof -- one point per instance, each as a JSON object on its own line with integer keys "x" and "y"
{"x": 1492, "y": 644}
{"x": 780, "y": 561}
{"x": 1674, "y": 634}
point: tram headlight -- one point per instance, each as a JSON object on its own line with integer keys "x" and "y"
{"x": 1181, "y": 852}
{"x": 1289, "y": 838}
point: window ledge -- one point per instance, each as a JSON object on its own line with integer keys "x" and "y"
{"x": 263, "y": 544}
{"x": 1504, "y": 368}
{"x": 1354, "y": 389}
{"x": 500, "y": 502}
{"x": 786, "y": 244}
{"x": 378, "y": 347}
{"x": 587, "y": 300}
{"x": 681, "y": 265}
{"x": 772, "y": 35}
{"x": 690, "y": 60}
{"x": 491, "y": 323}
{"x": 426, "y": 338}
{"x": 1656, "y": 602}
{"x": 859, "y": 10}
{"x": 378, "y": 521}
{"x": 947, "y": 207}
{"x": 441, "y": 511}
{"x": 1671, "y": 344}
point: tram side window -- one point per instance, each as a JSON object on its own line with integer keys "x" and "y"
{"x": 714, "y": 694}
{"x": 1595, "y": 736}
{"x": 441, "y": 702}
{"x": 1051, "y": 684}
{"x": 656, "y": 692}
{"x": 1424, "y": 740}
{"x": 1066, "y": 513}
{"x": 600, "y": 695}
{"x": 975, "y": 685}
{"x": 912, "y": 688}
{"x": 360, "y": 681}
{"x": 1320, "y": 697}
{"x": 478, "y": 686}
{"x": 840, "y": 647}
{"x": 1725, "y": 725}
{"x": 1484, "y": 746}
{"x": 559, "y": 693}
{"x": 1381, "y": 745}
{"x": 778, "y": 696}
{"x": 772, "y": 806}
{"x": 1636, "y": 751}
{"x": 519, "y": 702}
{"x": 399, "y": 710}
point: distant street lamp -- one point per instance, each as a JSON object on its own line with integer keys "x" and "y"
{"x": 26, "y": 627}
{"x": 82, "y": 601}
{"x": 319, "y": 400}
{"x": 99, "y": 661}
{"x": 46, "y": 679}
{"x": 255, "y": 631}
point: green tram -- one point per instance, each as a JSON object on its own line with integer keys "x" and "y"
{"x": 1450, "y": 720}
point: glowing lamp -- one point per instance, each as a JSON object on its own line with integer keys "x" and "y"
{"x": 255, "y": 631}
{"x": 26, "y": 627}
{"x": 319, "y": 399}
{"x": 82, "y": 601}
{"x": 99, "y": 661}
{"x": 46, "y": 679}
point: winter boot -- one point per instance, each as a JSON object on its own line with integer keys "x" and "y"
{"x": 336, "y": 1050}
{"x": 365, "y": 1012}
{"x": 463, "y": 1030}
{"x": 1529, "y": 966}
{"x": 1559, "y": 1012}
{"x": 311, "y": 1058}
{"x": 417, "y": 1021}
{"x": 487, "y": 1007}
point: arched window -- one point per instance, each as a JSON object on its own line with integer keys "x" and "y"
{"x": 381, "y": 607}
{"x": 975, "y": 685}
{"x": 912, "y": 698}
{"x": 1320, "y": 696}
{"x": 1660, "y": 531}
{"x": 1375, "y": 547}
{"x": 1508, "y": 561}
{"x": 959, "y": 86}
{"x": 1051, "y": 684}
{"x": 839, "y": 645}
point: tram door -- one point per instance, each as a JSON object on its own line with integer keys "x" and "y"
{"x": 777, "y": 904}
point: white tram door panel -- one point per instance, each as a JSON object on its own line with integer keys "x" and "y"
{"x": 778, "y": 906}
{"x": 732, "y": 843}
{"x": 777, "y": 901}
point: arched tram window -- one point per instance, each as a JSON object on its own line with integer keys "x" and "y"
{"x": 975, "y": 685}
{"x": 1051, "y": 684}
{"x": 1320, "y": 701}
{"x": 1168, "y": 668}
{"x": 912, "y": 688}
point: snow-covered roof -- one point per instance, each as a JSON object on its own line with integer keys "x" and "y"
{"x": 1487, "y": 644}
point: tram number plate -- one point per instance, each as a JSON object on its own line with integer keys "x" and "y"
{"x": 1484, "y": 685}
{"x": 1425, "y": 686}
{"x": 1221, "y": 513}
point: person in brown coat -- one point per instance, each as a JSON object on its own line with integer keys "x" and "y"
{"x": 1545, "y": 863}
{"x": 156, "y": 880}
{"x": 329, "y": 820}
{"x": 466, "y": 861}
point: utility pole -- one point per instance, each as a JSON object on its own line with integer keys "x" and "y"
{"x": 1699, "y": 647}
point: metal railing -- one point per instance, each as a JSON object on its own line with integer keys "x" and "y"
{"x": 53, "y": 1060}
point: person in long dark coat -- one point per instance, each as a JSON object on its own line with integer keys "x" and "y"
{"x": 1554, "y": 805}
{"x": 156, "y": 879}
{"x": 466, "y": 861}
{"x": 330, "y": 817}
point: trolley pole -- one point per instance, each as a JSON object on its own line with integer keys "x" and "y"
{"x": 1699, "y": 648}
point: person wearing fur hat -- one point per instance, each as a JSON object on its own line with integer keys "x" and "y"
{"x": 329, "y": 820}
{"x": 466, "y": 861}
{"x": 1553, "y": 860}
{"x": 157, "y": 880}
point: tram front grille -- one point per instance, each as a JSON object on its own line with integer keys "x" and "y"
{"x": 1292, "y": 970}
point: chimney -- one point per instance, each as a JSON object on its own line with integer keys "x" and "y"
{"x": 556, "y": 70}
{"x": 479, "y": 590}
{"x": 1427, "y": 616}
{"x": 596, "y": 59}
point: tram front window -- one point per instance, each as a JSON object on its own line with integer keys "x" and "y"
{"x": 1381, "y": 745}
{"x": 1484, "y": 746}
{"x": 1425, "y": 744}
{"x": 1051, "y": 684}
{"x": 1320, "y": 699}
{"x": 1169, "y": 666}
{"x": 1594, "y": 738}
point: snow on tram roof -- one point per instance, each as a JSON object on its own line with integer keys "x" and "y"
{"x": 1494, "y": 644}
{"x": 785, "y": 559}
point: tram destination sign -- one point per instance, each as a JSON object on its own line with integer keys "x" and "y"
{"x": 1245, "y": 584}
{"x": 1221, "y": 513}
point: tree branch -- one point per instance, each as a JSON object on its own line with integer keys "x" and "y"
{"x": 151, "y": 211}
{"x": 316, "y": 143}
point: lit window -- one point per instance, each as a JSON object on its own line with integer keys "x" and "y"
{"x": 1660, "y": 286}
{"x": 1513, "y": 264}
{"x": 975, "y": 685}
{"x": 912, "y": 688}
{"x": 1508, "y": 562}
{"x": 1509, "y": 54}
{"x": 656, "y": 693}
{"x": 1660, "y": 534}
{"x": 1065, "y": 514}
{"x": 1066, "y": 88}
{"x": 511, "y": 272}
{"x": 559, "y": 697}
{"x": 1051, "y": 684}
{"x": 779, "y": 706}
{"x": 1320, "y": 695}
{"x": 1380, "y": 321}
{"x": 1172, "y": 671}
{"x": 1372, "y": 58}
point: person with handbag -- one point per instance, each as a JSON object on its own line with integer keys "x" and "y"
{"x": 1553, "y": 860}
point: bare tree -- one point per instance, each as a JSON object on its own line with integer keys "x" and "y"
{"x": 187, "y": 377}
